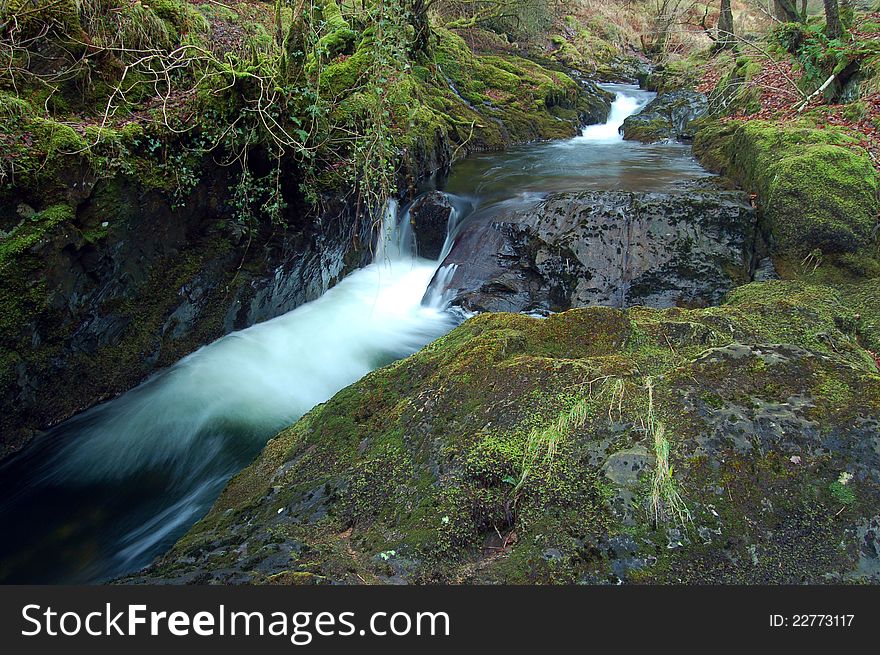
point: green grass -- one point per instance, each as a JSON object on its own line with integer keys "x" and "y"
{"x": 666, "y": 501}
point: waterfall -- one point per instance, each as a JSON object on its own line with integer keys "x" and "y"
{"x": 136, "y": 472}
{"x": 625, "y": 104}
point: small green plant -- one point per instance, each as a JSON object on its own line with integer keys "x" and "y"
{"x": 841, "y": 491}
{"x": 666, "y": 501}
{"x": 542, "y": 444}
{"x": 617, "y": 388}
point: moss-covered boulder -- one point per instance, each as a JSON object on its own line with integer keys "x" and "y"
{"x": 730, "y": 444}
{"x": 816, "y": 188}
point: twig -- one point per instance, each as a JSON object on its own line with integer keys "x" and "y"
{"x": 803, "y": 104}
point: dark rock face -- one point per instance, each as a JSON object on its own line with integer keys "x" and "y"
{"x": 603, "y": 248}
{"x": 595, "y": 103}
{"x": 668, "y": 116}
{"x": 154, "y": 285}
{"x": 429, "y": 216}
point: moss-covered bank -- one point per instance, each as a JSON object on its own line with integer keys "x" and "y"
{"x": 815, "y": 187}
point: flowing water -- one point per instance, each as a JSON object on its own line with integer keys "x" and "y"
{"x": 598, "y": 159}
{"x": 108, "y": 490}
{"x": 104, "y": 493}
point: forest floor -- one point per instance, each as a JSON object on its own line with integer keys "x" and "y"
{"x": 782, "y": 99}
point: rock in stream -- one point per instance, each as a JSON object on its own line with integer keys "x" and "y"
{"x": 667, "y": 117}
{"x": 610, "y": 248}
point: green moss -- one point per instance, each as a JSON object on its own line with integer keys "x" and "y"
{"x": 735, "y": 93}
{"x": 494, "y": 461}
{"x": 181, "y": 16}
{"x": 531, "y": 102}
{"x": 22, "y": 291}
{"x": 338, "y": 36}
{"x": 60, "y": 16}
{"x": 678, "y": 73}
{"x": 816, "y": 188}
{"x": 31, "y": 230}
{"x": 592, "y": 45}
{"x": 862, "y": 297}
{"x": 841, "y": 493}
{"x": 824, "y": 198}
{"x": 343, "y": 77}
{"x": 648, "y": 131}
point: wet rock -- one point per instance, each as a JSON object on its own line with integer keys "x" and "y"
{"x": 429, "y": 216}
{"x": 394, "y": 568}
{"x": 625, "y": 470}
{"x": 869, "y": 550}
{"x": 765, "y": 270}
{"x": 602, "y": 248}
{"x": 667, "y": 117}
{"x": 625, "y": 556}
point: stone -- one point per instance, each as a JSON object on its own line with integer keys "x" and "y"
{"x": 429, "y": 216}
{"x": 610, "y": 248}
{"x": 666, "y": 118}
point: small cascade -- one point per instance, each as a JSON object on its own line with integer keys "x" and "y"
{"x": 395, "y": 239}
{"x": 624, "y": 106}
{"x": 134, "y": 473}
{"x": 461, "y": 208}
{"x": 438, "y": 296}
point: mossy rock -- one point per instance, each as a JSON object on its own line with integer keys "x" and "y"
{"x": 343, "y": 77}
{"x": 734, "y": 93}
{"x": 485, "y": 457}
{"x": 825, "y": 198}
{"x": 182, "y": 17}
{"x": 668, "y": 116}
{"x": 816, "y": 188}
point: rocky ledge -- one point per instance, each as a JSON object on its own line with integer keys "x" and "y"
{"x": 610, "y": 248}
{"x": 667, "y": 118}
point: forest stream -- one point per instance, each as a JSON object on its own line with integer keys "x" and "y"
{"x": 104, "y": 493}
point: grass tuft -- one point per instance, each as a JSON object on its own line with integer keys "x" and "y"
{"x": 666, "y": 501}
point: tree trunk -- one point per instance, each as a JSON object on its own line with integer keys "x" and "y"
{"x": 725, "y": 25}
{"x": 786, "y": 11}
{"x": 421, "y": 41}
{"x": 833, "y": 27}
